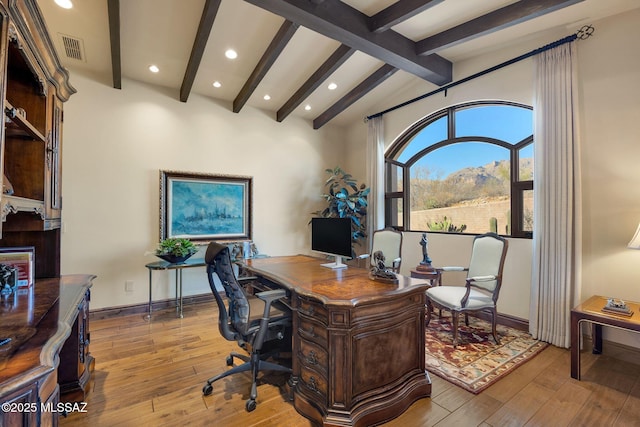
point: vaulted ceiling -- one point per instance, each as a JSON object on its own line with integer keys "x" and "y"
{"x": 291, "y": 50}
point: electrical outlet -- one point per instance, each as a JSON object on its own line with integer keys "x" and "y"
{"x": 128, "y": 286}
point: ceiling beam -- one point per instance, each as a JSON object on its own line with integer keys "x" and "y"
{"x": 341, "y": 22}
{"x": 113, "y": 10}
{"x": 371, "y": 82}
{"x": 398, "y": 12}
{"x": 278, "y": 43}
{"x": 202, "y": 36}
{"x": 321, "y": 74}
{"x": 498, "y": 19}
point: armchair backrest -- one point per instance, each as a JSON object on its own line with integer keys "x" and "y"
{"x": 233, "y": 321}
{"x": 487, "y": 259}
{"x": 389, "y": 241}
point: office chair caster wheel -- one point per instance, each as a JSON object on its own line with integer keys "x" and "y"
{"x": 207, "y": 389}
{"x": 229, "y": 360}
{"x": 250, "y": 405}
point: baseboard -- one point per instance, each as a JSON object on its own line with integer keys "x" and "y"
{"x": 108, "y": 312}
{"x": 506, "y": 320}
{"x": 105, "y": 313}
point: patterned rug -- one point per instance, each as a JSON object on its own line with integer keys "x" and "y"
{"x": 478, "y": 361}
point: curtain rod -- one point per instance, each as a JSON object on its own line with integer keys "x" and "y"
{"x": 583, "y": 33}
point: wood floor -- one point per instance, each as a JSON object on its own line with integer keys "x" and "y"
{"x": 152, "y": 373}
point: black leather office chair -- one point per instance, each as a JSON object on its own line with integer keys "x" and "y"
{"x": 263, "y": 332}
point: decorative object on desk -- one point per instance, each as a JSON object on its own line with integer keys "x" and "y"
{"x": 617, "y": 306}
{"x": 8, "y": 280}
{"x": 205, "y": 207}
{"x": 380, "y": 272}
{"x": 176, "y": 250}
{"x": 346, "y": 199}
{"x": 23, "y": 259}
{"x": 478, "y": 361}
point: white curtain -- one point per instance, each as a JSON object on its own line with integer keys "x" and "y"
{"x": 375, "y": 176}
{"x": 557, "y": 245}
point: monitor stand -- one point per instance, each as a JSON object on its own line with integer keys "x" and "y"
{"x": 335, "y": 265}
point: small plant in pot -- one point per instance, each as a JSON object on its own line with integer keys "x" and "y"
{"x": 176, "y": 250}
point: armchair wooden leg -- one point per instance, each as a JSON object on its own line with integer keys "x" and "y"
{"x": 454, "y": 319}
{"x": 494, "y": 330}
{"x": 429, "y": 310}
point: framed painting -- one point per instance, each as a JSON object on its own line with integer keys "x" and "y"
{"x": 204, "y": 207}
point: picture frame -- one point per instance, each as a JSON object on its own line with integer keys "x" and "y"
{"x": 23, "y": 258}
{"x": 205, "y": 207}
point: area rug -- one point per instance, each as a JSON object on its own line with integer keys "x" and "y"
{"x": 478, "y": 361}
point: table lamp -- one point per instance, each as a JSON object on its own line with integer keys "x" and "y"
{"x": 635, "y": 241}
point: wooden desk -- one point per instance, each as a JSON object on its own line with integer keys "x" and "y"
{"x": 591, "y": 311}
{"x": 358, "y": 344}
{"x": 48, "y": 357}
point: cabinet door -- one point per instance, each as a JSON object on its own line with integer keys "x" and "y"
{"x": 14, "y": 416}
{"x": 53, "y": 159}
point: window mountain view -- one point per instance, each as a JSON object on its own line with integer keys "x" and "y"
{"x": 472, "y": 199}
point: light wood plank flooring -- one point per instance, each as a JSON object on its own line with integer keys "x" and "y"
{"x": 152, "y": 373}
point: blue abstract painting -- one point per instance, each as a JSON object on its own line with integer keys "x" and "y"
{"x": 208, "y": 209}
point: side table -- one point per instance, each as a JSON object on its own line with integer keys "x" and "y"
{"x": 433, "y": 276}
{"x": 591, "y": 311}
{"x": 177, "y": 267}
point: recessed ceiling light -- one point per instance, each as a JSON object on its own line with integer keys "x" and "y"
{"x": 154, "y": 68}
{"x": 65, "y": 4}
{"x": 307, "y": 107}
{"x": 266, "y": 97}
{"x": 217, "y": 84}
{"x": 231, "y": 54}
{"x": 332, "y": 86}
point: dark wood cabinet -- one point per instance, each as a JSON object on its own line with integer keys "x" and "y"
{"x": 34, "y": 90}
{"x": 47, "y": 362}
{"x": 76, "y": 362}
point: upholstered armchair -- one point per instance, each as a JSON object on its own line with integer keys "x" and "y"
{"x": 482, "y": 285}
{"x": 389, "y": 242}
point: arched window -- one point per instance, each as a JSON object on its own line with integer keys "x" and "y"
{"x": 467, "y": 168}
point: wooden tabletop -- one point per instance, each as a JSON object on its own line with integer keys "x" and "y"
{"x": 592, "y": 309}
{"x": 305, "y": 275}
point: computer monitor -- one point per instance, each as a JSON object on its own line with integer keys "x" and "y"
{"x": 332, "y": 236}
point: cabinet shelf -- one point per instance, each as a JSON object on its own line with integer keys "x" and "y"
{"x": 18, "y": 125}
{"x": 15, "y": 204}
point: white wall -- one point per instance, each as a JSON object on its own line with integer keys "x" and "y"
{"x": 609, "y": 79}
{"x": 115, "y": 143}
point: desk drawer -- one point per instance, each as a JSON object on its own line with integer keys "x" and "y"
{"x": 312, "y": 309}
{"x": 313, "y": 385}
{"x": 312, "y": 330}
{"x": 313, "y": 357}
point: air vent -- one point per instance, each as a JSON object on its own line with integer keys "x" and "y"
{"x": 73, "y": 47}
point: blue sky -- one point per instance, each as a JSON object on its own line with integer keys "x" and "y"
{"x": 504, "y": 122}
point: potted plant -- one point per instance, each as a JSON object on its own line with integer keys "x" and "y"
{"x": 176, "y": 250}
{"x": 346, "y": 199}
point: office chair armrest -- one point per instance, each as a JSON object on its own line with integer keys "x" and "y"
{"x": 269, "y": 296}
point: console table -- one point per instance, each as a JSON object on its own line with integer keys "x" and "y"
{"x": 47, "y": 359}
{"x": 591, "y": 311}
{"x": 177, "y": 267}
{"x": 358, "y": 344}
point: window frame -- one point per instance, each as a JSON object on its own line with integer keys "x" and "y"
{"x": 517, "y": 188}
